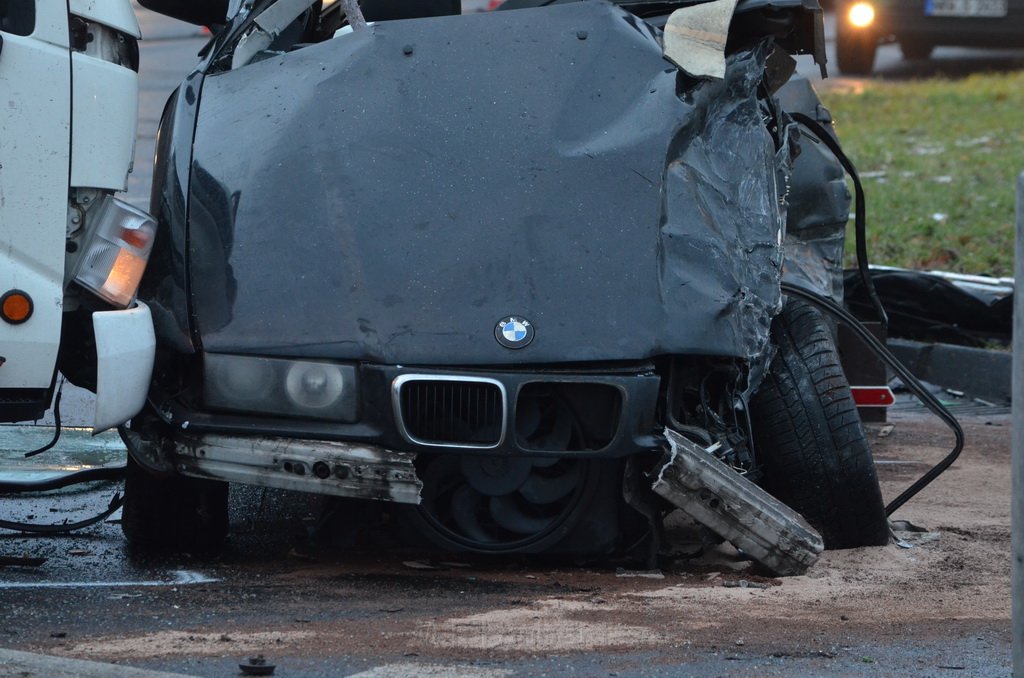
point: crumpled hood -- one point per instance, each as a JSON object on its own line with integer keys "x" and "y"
{"x": 390, "y": 195}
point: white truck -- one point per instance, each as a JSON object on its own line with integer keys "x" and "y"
{"x": 71, "y": 253}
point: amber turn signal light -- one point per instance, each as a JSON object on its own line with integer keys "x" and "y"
{"x": 15, "y": 307}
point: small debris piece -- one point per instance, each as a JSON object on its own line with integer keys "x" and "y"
{"x": 391, "y": 610}
{"x": 712, "y": 576}
{"x": 955, "y": 393}
{"x": 419, "y": 565}
{"x": 224, "y": 638}
{"x": 530, "y": 576}
{"x": 257, "y": 666}
{"x": 643, "y": 574}
{"x": 741, "y": 642}
{"x": 21, "y": 561}
{"x": 743, "y": 584}
{"x": 79, "y": 552}
{"x": 885, "y": 430}
{"x": 59, "y": 634}
{"x": 906, "y": 526}
{"x": 843, "y": 617}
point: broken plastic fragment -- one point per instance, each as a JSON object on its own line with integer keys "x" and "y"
{"x": 695, "y": 38}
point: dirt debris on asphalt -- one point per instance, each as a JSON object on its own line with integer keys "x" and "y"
{"x": 951, "y": 583}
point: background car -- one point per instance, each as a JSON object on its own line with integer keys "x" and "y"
{"x": 918, "y": 26}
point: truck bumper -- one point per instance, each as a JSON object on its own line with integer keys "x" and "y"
{"x": 125, "y": 349}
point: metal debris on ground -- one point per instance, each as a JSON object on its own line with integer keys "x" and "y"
{"x": 744, "y": 584}
{"x": 257, "y": 666}
{"x": 716, "y": 496}
{"x": 642, "y": 574}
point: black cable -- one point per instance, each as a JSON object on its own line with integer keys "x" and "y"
{"x": 56, "y": 424}
{"x": 909, "y": 380}
{"x": 88, "y": 475}
{"x": 115, "y": 503}
{"x": 860, "y": 212}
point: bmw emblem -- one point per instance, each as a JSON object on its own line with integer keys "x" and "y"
{"x": 514, "y": 332}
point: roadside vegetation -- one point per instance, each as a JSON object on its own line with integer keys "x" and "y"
{"x": 939, "y": 160}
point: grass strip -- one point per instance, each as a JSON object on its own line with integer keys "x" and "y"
{"x": 939, "y": 160}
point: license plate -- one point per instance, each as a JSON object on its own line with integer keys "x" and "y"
{"x": 973, "y": 8}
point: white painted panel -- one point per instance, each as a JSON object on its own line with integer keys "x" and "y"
{"x": 117, "y": 14}
{"x": 35, "y": 115}
{"x": 105, "y": 110}
{"x": 125, "y": 349}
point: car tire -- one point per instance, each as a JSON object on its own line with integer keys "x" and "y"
{"x": 916, "y": 49}
{"x": 855, "y": 50}
{"x": 173, "y": 514}
{"x": 808, "y": 437}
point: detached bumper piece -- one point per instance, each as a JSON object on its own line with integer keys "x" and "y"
{"x": 323, "y": 467}
{"x": 755, "y": 522}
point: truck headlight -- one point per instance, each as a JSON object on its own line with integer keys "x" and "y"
{"x": 116, "y": 251}
{"x": 309, "y": 389}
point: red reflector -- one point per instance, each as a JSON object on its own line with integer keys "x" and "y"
{"x": 15, "y": 307}
{"x": 873, "y": 396}
{"x": 136, "y": 237}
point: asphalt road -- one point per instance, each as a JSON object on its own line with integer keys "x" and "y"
{"x": 346, "y": 599}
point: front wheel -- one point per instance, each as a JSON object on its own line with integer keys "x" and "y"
{"x": 855, "y": 49}
{"x": 173, "y": 514}
{"x": 808, "y": 437}
{"x": 913, "y": 48}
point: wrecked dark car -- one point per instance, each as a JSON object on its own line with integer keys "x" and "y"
{"x": 484, "y": 266}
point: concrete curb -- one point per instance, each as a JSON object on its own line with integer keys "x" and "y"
{"x": 31, "y": 665}
{"x": 978, "y": 372}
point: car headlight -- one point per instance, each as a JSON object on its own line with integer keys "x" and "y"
{"x": 309, "y": 389}
{"x": 861, "y": 15}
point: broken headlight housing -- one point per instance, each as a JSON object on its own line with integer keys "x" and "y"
{"x": 115, "y": 252}
{"x": 308, "y": 389}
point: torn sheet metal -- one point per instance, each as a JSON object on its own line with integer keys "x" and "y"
{"x": 695, "y": 38}
{"x": 739, "y": 511}
{"x": 266, "y": 28}
{"x": 818, "y": 201}
{"x": 389, "y": 195}
{"x": 322, "y": 467}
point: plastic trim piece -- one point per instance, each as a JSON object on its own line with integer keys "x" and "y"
{"x": 396, "y": 401}
{"x": 125, "y": 350}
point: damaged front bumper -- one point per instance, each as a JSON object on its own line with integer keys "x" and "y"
{"x": 318, "y": 466}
